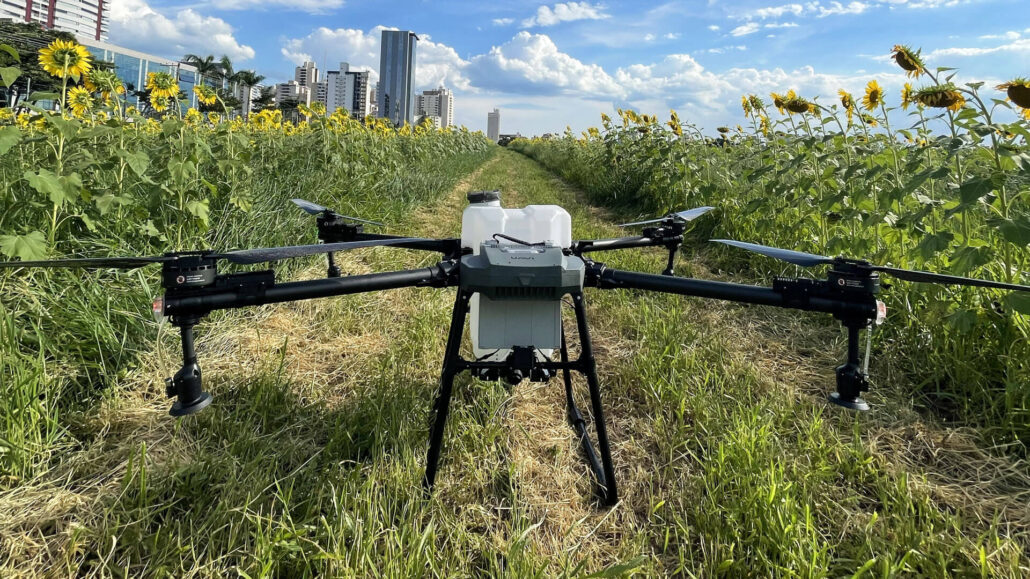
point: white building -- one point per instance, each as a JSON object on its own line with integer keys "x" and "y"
{"x": 292, "y": 91}
{"x": 246, "y": 95}
{"x": 85, "y": 18}
{"x": 349, "y": 90}
{"x": 436, "y": 103}
{"x": 305, "y": 74}
{"x": 493, "y": 125}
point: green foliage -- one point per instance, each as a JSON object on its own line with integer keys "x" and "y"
{"x": 953, "y": 204}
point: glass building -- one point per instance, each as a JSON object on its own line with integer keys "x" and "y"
{"x": 397, "y": 76}
{"x": 132, "y": 67}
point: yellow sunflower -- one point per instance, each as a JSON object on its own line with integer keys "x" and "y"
{"x": 193, "y": 116}
{"x": 943, "y": 96}
{"x": 756, "y": 103}
{"x": 764, "y": 125}
{"x": 873, "y": 96}
{"x": 745, "y": 103}
{"x": 65, "y": 59}
{"x": 848, "y": 102}
{"x": 205, "y": 94}
{"x": 869, "y": 120}
{"x": 907, "y": 96}
{"x": 162, "y": 84}
{"x": 79, "y": 100}
{"x": 909, "y": 60}
{"x": 778, "y": 101}
{"x": 159, "y": 102}
{"x": 1018, "y": 91}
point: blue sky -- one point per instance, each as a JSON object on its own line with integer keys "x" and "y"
{"x": 551, "y": 64}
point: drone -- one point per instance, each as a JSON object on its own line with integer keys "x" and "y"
{"x": 513, "y": 269}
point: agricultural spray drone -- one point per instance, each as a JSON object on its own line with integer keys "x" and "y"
{"x": 512, "y": 269}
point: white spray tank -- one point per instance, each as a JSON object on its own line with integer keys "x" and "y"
{"x": 485, "y": 217}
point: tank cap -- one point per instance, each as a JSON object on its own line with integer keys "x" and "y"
{"x": 483, "y": 196}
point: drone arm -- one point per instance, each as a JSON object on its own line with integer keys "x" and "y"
{"x": 450, "y": 247}
{"x": 606, "y": 278}
{"x": 589, "y": 245}
{"x": 230, "y": 295}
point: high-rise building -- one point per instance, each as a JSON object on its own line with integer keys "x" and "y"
{"x": 349, "y": 90}
{"x": 436, "y": 103}
{"x": 247, "y": 95}
{"x": 87, "y": 18}
{"x": 397, "y": 76}
{"x": 292, "y": 91}
{"x": 493, "y": 125}
{"x": 305, "y": 74}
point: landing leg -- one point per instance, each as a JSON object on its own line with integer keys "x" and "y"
{"x": 443, "y": 397}
{"x": 610, "y": 493}
{"x": 578, "y": 423}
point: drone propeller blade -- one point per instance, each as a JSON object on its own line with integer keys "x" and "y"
{"x": 796, "y": 257}
{"x": 248, "y": 256}
{"x": 315, "y": 209}
{"x": 91, "y": 262}
{"x": 312, "y": 208}
{"x": 688, "y": 215}
{"x": 929, "y": 277}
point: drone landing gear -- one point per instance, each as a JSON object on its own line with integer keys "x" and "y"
{"x": 186, "y": 385}
{"x": 453, "y": 364}
{"x": 851, "y": 379}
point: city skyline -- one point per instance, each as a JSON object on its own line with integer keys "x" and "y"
{"x": 553, "y": 64}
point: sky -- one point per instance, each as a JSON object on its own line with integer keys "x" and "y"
{"x": 548, "y": 65}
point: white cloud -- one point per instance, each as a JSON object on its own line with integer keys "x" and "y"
{"x": 565, "y": 12}
{"x": 309, "y": 6}
{"x": 648, "y": 37}
{"x": 503, "y": 21}
{"x": 713, "y": 27}
{"x": 135, "y": 24}
{"x": 1010, "y": 35}
{"x": 672, "y": 36}
{"x": 745, "y": 29}
{"x": 532, "y": 64}
{"x": 782, "y": 25}
{"x": 776, "y": 11}
{"x": 836, "y": 8}
{"x": 1020, "y": 46}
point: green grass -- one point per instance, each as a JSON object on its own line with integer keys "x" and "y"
{"x": 310, "y": 459}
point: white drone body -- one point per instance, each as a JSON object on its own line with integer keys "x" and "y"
{"x": 497, "y": 324}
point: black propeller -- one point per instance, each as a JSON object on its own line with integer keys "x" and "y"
{"x": 315, "y": 209}
{"x": 240, "y": 256}
{"x": 808, "y": 260}
{"x": 684, "y": 216}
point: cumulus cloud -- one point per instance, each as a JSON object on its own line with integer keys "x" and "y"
{"x": 565, "y": 12}
{"x": 532, "y": 64}
{"x": 137, "y": 25}
{"x": 309, "y": 6}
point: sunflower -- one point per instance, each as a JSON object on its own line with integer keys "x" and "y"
{"x": 214, "y": 118}
{"x": 1018, "y": 91}
{"x": 162, "y": 84}
{"x": 79, "y": 100}
{"x": 65, "y": 59}
{"x": 756, "y": 102}
{"x": 88, "y": 84}
{"x": 723, "y": 130}
{"x": 764, "y": 125}
{"x": 745, "y": 104}
{"x": 848, "y": 102}
{"x": 159, "y": 102}
{"x": 6, "y": 115}
{"x": 193, "y": 116}
{"x": 908, "y": 60}
{"x": 106, "y": 82}
{"x": 205, "y": 94}
{"x": 795, "y": 104}
{"x": 943, "y": 96}
{"x": 778, "y": 101}
{"x": 869, "y": 119}
{"x": 907, "y": 96}
{"x": 873, "y": 96}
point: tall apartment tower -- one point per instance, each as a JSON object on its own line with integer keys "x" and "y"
{"x": 306, "y": 74}
{"x": 84, "y": 18}
{"x": 397, "y": 76}
{"x": 436, "y": 103}
{"x": 349, "y": 90}
{"x": 493, "y": 125}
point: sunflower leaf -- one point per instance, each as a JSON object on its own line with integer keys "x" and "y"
{"x": 9, "y": 74}
{"x": 28, "y": 247}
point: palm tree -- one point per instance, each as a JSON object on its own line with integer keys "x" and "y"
{"x": 266, "y": 99}
{"x": 225, "y": 68}
{"x": 248, "y": 79}
{"x": 207, "y": 67}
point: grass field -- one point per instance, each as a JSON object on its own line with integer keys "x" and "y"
{"x": 310, "y": 459}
